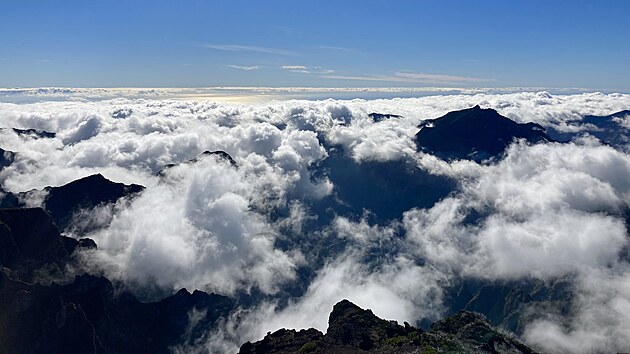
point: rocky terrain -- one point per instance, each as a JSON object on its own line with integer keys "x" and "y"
{"x": 355, "y": 330}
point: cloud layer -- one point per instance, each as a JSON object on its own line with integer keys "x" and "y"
{"x": 545, "y": 212}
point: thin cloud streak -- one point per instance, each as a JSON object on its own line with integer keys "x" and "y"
{"x": 411, "y": 77}
{"x": 248, "y": 48}
{"x": 246, "y": 68}
{"x": 301, "y": 69}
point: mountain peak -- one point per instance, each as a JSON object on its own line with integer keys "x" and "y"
{"x": 474, "y": 133}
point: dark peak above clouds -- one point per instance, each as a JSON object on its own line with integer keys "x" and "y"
{"x": 474, "y": 133}
{"x": 378, "y": 117}
{"x": 218, "y": 154}
{"x": 85, "y": 193}
{"x": 352, "y": 329}
{"x": 34, "y": 133}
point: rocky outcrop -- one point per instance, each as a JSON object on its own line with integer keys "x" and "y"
{"x": 34, "y": 133}
{"x": 219, "y": 155}
{"x": 355, "y": 330}
{"x": 475, "y": 133}
{"x": 379, "y": 117}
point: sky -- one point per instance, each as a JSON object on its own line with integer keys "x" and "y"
{"x": 282, "y": 43}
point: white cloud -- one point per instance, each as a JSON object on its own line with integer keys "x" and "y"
{"x": 246, "y": 68}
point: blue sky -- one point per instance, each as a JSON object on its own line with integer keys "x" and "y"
{"x": 190, "y": 43}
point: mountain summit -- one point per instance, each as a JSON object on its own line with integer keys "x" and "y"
{"x": 475, "y": 134}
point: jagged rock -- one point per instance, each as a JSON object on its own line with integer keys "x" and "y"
{"x": 63, "y": 202}
{"x": 284, "y": 341}
{"x": 350, "y": 325}
{"x": 379, "y": 117}
{"x": 475, "y": 133}
{"x": 220, "y": 155}
{"x": 354, "y": 330}
{"x": 34, "y": 133}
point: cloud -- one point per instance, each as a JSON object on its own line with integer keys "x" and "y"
{"x": 246, "y": 68}
{"x": 301, "y": 69}
{"x": 546, "y": 212}
{"x": 294, "y": 67}
{"x": 411, "y": 77}
{"x": 248, "y": 48}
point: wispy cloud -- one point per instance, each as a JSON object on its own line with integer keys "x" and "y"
{"x": 411, "y": 77}
{"x": 302, "y": 69}
{"x": 248, "y": 48}
{"x": 247, "y": 68}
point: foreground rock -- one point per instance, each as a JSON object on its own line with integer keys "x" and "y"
{"x": 90, "y": 316}
{"x": 475, "y": 133}
{"x": 354, "y": 330}
{"x": 32, "y": 248}
{"x": 45, "y": 309}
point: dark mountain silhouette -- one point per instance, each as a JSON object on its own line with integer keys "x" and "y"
{"x": 34, "y": 133}
{"x": 354, "y": 330}
{"x": 475, "y": 133}
{"x": 221, "y": 155}
{"x": 379, "y": 117}
{"x": 85, "y": 193}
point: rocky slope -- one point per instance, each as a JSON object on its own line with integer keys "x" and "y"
{"x": 354, "y": 330}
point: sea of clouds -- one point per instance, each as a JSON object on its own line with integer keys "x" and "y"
{"x": 551, "y": 211}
